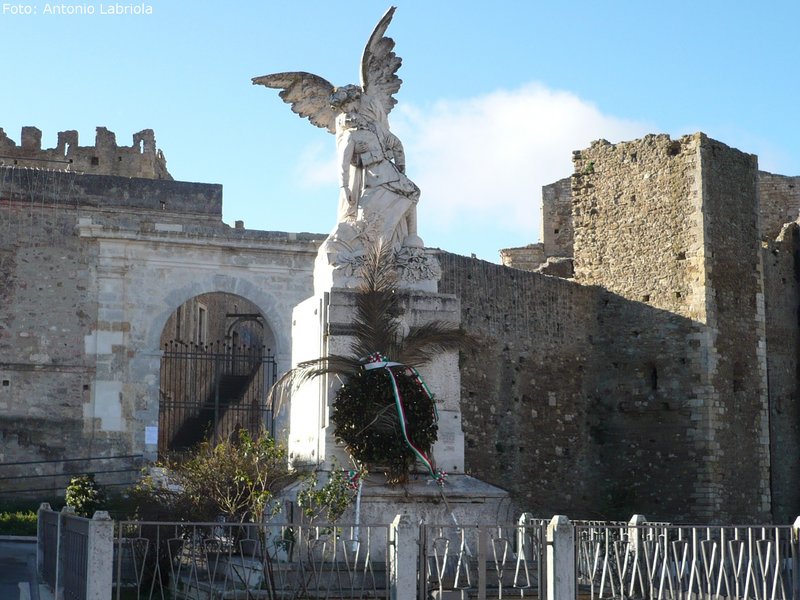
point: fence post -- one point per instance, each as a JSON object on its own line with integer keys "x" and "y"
{"x": 560, "y": 559}
{"x": 636, "y": 538}
{"x": 44, "y": 506}
{"x": 100, "y": 557}
{"x": 635, "y": 533}
{"x": 796, "y": 559}
{"x": 403, "y": 548}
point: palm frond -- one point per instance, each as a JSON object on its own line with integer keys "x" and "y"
{"x": 375, "y": 323}
{"x": 424, "y": 342}
{"x": 335, "y": 364}
{"x": 378, "y": 270}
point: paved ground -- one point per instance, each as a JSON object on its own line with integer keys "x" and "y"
{"x": 18, "y": 580}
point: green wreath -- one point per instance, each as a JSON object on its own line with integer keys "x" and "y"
{"x": 367, "y": 420}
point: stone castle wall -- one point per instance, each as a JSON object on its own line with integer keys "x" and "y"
{"x": 91, "y": 268}
{"x": 674, "y": 224}
{"x": 141, "y": 159}
{"x": 781, "y": 258}
{"x": 663, "y": 368}
{"x": 637, "y": 221}
{"x": 556, "y": 229}
{"x": 737, "y": 418}
{"x": 779, "y": 203}
{"x": 526, "y": 258}
{"x": 522, "y": 400}
{"x": 575, "y": 400}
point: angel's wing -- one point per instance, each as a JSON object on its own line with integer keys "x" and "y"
{"x": 379, "y": 65}
{"x": 307, "y": 93}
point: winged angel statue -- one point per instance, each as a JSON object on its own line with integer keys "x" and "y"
{"x": 377, "y": 201}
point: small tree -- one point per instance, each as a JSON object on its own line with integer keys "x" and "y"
{"x": 236, "y": 479}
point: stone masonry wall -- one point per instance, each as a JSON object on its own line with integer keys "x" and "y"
{"x": 782, "y": 292}
{"x": 527, "y": 258}
{"x": 779, "y": 197}
{"x": 672, "y": 224}
{"x": 638, "y": 223}
{"x": 577, "y": 399}
{"x": 47, "y": 306}
{"x": 91, "y": 267}
{"x": 639, "y": 394}
{"x": 522, "y": 403}
{"x": 141, "y": 159}
{"x": 556, "y": 229}
{"x": 738, "y": 420}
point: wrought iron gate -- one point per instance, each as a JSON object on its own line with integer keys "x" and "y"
{"x": 210, "y": 391}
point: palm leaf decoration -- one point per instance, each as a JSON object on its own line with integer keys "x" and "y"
{"x": 383, "y": 413}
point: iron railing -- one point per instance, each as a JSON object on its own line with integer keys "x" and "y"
{"x": 234, "y": 560}
{"x": 667, "y": 562}
{"x": 210, "y": 391}
{"x": 74, "y": 550}
{"x": 482, "y": 561}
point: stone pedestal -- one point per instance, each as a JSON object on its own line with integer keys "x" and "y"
{"x": 463, "y": 500}
{"x": 322, "y": 325}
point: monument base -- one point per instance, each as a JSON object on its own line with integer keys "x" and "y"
{"x": 323, "y": 326}
{"x": 462, "y": 500}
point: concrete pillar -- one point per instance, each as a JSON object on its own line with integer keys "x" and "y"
{"x": 403, "y": 554}
{"x": 636, "y": 538}
{"x": 636, "y": 535}
{"x": 100, "y": 557}
{"x": 560, "y": 559}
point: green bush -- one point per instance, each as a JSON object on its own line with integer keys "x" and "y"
{"x": 235, "y": 479}
{"x": 85, "y": 495}
{"x": 330, "y": 500}
{"x": 18, "y": 522}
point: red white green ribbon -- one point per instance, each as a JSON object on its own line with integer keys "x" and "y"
{"x": 378, "y": 361}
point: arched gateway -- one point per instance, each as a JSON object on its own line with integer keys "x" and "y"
{"x": 150, "y": 278}
{"x": 93, "y": 267}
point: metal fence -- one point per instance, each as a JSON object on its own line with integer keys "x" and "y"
{"x": 63, "y": 549}
{"x": 210, "y": 391}
{"x": 534, "y": 558}
{"x": 482, "y": 561}
{"x": 667, "y": 562}
{"x": 228, "y": 560}
{"x": 74, "y": 550}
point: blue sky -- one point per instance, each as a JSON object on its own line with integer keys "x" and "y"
{"x": 495, "y": 95}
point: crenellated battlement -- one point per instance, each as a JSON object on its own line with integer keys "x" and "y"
{"x": 141, "y": 159}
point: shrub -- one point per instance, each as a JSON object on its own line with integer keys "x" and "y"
{"x": 85, "y": 495}
{"x": 18, "y": 523}
{"x": 332, "y": 499}
{"x": 235, "y": 479}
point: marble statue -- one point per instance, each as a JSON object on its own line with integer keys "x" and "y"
{"x": 377, "y": 200}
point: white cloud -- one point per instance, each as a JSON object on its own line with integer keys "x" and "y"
{"x": 481, "y": 162}
{"x": 316, "y": 166}
{"x": 485, "y": 159}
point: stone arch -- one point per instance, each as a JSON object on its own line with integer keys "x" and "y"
{"x": 266, "y": 302}
{"x": 147, "y": 323}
